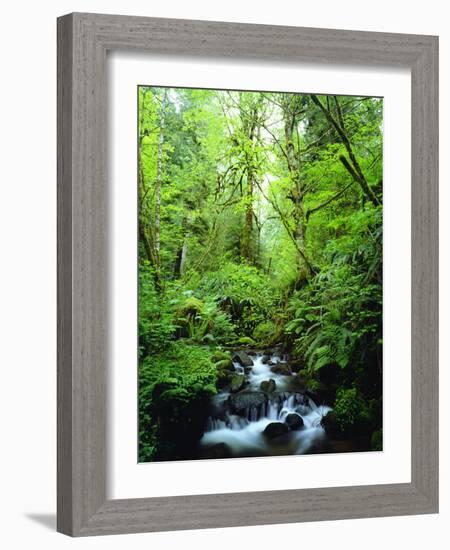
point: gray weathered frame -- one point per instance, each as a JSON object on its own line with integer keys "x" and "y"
{"x": 83, "y": 40}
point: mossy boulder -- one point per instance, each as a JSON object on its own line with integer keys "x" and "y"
{"x": 220, "y": 355}
{"x": 225, "y": 365}
{"x": 237, "y": 382}
{"x": 268, "y": 386}
{"x": 225, "y": 370}
{"x": 243, "y": 359}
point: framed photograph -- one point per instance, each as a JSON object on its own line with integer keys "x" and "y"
{"x": 247, "y": 274}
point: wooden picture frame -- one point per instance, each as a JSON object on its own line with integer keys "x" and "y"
{"x": 83, "y": 41}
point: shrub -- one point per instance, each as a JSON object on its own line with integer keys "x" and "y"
{"x": 266, "y": 333}
{"x": 241, "y": 291}
{"x": 156, "y": 324}
{"x": 202, "y": 321}
{"x": 348, "y": 408}
{"x": 174, "y": 392}
{"x": 349, "y": 418}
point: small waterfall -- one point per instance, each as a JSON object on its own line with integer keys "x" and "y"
{"x": 243, "y": 432}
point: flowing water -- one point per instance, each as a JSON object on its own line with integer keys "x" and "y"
{"x": 238, "y": 420}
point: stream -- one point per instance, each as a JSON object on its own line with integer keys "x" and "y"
{"x": 282, "y": 420}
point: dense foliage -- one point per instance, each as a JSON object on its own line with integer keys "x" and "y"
{"x": 260, "y": 223}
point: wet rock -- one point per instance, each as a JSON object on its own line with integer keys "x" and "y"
{"x": 297, "y": 383}
{"x": 237, "y": 382}
{"x": 268, "y": 386}
{"x": 294, "y": 421}
{"x": 265, "y": 359}
{"x": 219, "y": 450}
{"x": 332, "y": 427}
{"x": 223, "y": 379}
{"x": 243, "y": 358}
{"x": 281, "y": 368}
{"x": 224, "y": 365}
{"x": 296, "y": 365}
{"x": 322, "y": 395}
{"x": 275, "y": 429}
{"x": 225, "y": 370}
{"x": 241, "y": 402}
{"x": 220, "y": 355}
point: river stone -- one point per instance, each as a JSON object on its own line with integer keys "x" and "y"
{"x": 281, "y": 368}
{"x": 220, "y": 355}
{"x": 225, "y": 365}
{"x": 237, "y": 382}
{"x": 243, "y": 358}
{"x": 268, "y": 386}
{"x": 241, "y": 402}
{"x": 275, "y": 429}
{"x": 294, "y": 421}
{"x": 225, "y": 369}
{"x": 265, "y": 359}
{"x": 296, "y": 365}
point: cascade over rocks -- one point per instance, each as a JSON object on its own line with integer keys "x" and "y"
{"x": 242, "y": 401}
{"x": 259, "y": 412}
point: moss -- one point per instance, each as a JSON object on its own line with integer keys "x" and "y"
{"x": 224, "y": 372}
{"x": 219, "y": 355}
{"x": 224, "y": 365}
{"x": 246, "y": 341}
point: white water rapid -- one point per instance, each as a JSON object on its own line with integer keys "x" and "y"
{"x": 239, "y": 420}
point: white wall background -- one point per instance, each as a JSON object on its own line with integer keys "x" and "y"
{"x": 28, "y": 270}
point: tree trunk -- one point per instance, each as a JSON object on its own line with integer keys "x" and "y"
{"x": 247, "y": 241}
{"x": 159, "y": 164}
{"x": 352, "y": 166}
{"x": 296, "y": 194}
{"x": 181, "y": 259}
{"x": 146, "y": 242}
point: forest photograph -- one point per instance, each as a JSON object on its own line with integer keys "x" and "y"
{"x": 260, "y": 248}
